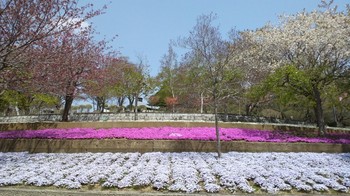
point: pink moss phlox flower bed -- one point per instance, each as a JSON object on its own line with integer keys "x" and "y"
{"x": 171, "y": 133}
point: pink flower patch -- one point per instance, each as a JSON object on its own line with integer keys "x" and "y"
{"x": 172, "y": 133}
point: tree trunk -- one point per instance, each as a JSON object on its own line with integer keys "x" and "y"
{"x": 319, "y": 112}
{"x": 248, "y": 109}
{"x": 173, "y": 104}
{"x": 98, "y": 105}
{"x": 335, "y": 116}
{"x": 17, "y": 109}
{"x": 239, "y": 107}
{"x": 217, "y": 130}
{"x": 136, "y": 101}
{"x": 131, "y": 101}
{"x": 8, "y": 111}
{"x": 67, "y": 105}
{"x": 120, "y": 101}
{"x": 307, "y": 116}
{"x": 202, "y": 102}
{"x": 226, "y": 114}
{"x": 101, "y": 102}
{"x": 103, "y": 105}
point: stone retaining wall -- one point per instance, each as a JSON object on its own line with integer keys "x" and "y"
{"x": 107, "y": 117}
{"x": 123, "y": 145}
{"x": 65, "y": 125}
{"x": 111, "y": 117}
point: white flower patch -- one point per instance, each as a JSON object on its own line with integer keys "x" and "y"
{"x": 212, "y": 188}
{"x": 146, "y": 169}
{"x": 67, "y": 184}
{"x": 272, "y": 184}
{"x": 39, "y": 181}
{"x": 185, "y": 172}
{"x": 112, "y": 180}
{"x": 320, "y": 187}
{"x": 162, "y": 172}
{"x": 126, "y": 181}
{"x": 205, "y": 172}
{"x": 243, "y": 185}
{"x": 135, "y": 165}
{"x": 346, "y": 182}
{"x": 231, "y": 174}
{"x": 303, "y": 187}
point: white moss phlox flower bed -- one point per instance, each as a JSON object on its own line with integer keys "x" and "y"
{"x": 183, "y": 172}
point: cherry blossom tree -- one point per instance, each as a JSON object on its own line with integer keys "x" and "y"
{"x": 255, "y": 66}
{"x": 25, "y": 23}
{"x": 171, "y": 102}
{"x": 315, "y": 46}
{"x": 67, "y": 63}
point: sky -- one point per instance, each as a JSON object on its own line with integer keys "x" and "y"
{"x": 144, "y": 28}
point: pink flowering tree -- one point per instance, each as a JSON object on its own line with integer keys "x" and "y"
{"x": 25, "y": 24}
{"x": 67, "y": 62}
{"x": 171, "y": 102}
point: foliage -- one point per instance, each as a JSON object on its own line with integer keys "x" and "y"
{"x": 100, "y": 87}
{"x": 26, "y": 103}
{"x": 171, "y": 102}
{"x": 313, "y": 51}
{"x": 25, "y": 24}
{"x": 212, "y": 55}
{"x": 153, "y": 100}
{"x": 73, "y": 55}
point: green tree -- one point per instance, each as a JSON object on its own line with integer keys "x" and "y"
{"x": 136, "y": 82}
{"x": 25, "y": 103}
{"x": 313, "y": 48}
{"x": 168, "y": 75}
{"x": 213, "y": 54}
